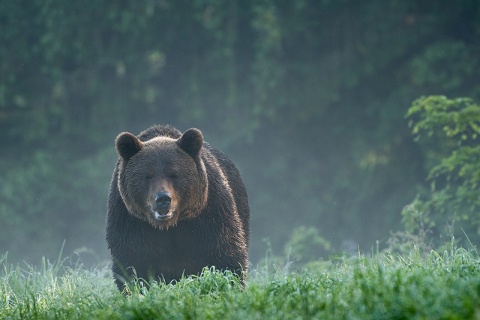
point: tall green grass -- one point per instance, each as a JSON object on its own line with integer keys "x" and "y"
{"x": 436, "y": 286}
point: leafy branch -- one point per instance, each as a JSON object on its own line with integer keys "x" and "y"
{"x": 456, "y": 123}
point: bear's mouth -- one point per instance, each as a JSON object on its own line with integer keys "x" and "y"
{"x": 162, "y": 216}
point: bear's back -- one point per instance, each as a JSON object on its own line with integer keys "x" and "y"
{"x": 159, "y": 131}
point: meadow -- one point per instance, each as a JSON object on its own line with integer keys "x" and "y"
{"x": 437, "y": 285}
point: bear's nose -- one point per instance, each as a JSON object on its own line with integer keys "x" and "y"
{"x": 163, "y": 199}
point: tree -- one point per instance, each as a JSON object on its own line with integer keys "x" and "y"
{"x": 308, "y": 98}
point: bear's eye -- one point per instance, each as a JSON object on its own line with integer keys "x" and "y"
{"x": 172, "y": 175}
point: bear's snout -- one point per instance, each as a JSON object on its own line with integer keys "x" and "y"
{"x": 162, "y": 208}
{"x": 163, "y": 200}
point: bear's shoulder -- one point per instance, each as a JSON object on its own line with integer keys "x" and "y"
{"x": 159, "y": 131}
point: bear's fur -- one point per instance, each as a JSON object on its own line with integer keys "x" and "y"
{"x": 176, "y": 205}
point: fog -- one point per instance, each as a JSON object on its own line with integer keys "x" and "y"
{"x": 307, "y": 98}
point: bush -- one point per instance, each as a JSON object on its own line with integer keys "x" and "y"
{"x": 49, "y": 200}
{"x": 453, "y": 129}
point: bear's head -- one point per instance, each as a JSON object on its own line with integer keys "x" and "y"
{"x": 162, "y": 180}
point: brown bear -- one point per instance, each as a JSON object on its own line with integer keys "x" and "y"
{"x": 176, "y": 205}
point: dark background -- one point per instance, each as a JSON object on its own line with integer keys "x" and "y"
{"x": 308, "y": 98}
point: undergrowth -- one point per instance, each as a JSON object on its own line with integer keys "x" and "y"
{"x": 439, "y": 285}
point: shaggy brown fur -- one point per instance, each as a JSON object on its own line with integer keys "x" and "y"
{"x": 176, "y": 205}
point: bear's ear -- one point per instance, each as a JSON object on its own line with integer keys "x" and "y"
{"x": 127, "y": 145}
{"x": 191, "y": 142}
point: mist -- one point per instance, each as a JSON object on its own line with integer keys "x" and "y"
{"x": 307, "y": 98}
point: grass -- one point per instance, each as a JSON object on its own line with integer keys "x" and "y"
{"x": 436, "y": 286}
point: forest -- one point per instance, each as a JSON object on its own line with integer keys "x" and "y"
{"x": 352, "y": 122}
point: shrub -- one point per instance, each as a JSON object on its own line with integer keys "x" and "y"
{"x": 453, "y": 129}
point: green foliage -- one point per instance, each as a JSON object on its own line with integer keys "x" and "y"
{"x": 55, "y": 290}
{"x": 46, "y": 187}
{"x": 306, "y": 244}
{"x": 441, "y": 285}
{"x": 307, "y": 97}
{"x": 305, "y": 249}
{"x": 417, "y": 234}
{"x": 455, "y": 179}
{"x": 458, "y": 118}
{"x": 437, "y": 66}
